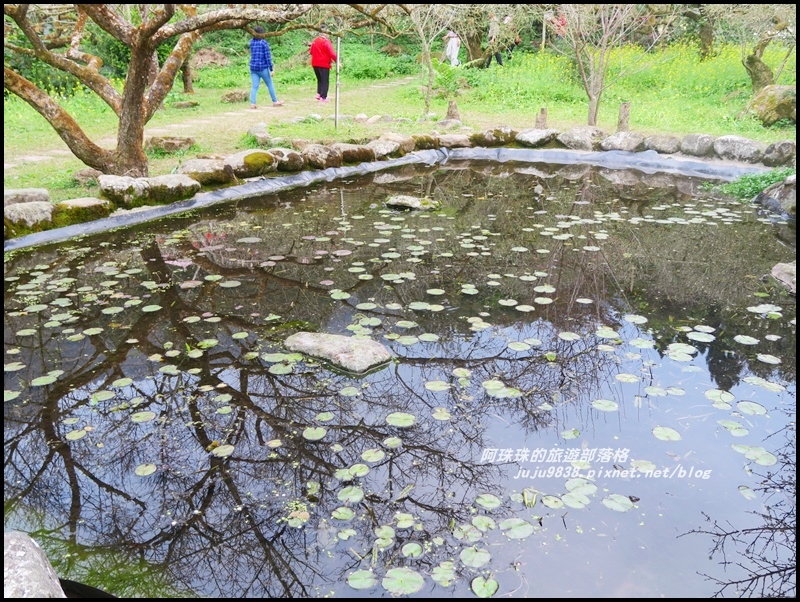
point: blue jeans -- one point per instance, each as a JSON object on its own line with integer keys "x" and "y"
{"x": 256, "y": 77}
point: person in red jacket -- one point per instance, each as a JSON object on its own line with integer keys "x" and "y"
{"x": 322, "y": 55}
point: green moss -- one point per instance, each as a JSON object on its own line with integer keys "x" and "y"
{"x": 259, "y": 162}
{"x": 67, "y": 216}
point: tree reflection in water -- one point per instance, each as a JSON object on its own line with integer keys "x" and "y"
{"x": 179, "y": 319}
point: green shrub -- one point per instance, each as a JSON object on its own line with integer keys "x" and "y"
{"x": 748, "y": 186}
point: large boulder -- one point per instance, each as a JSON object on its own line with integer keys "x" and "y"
{"x": 354, "y": 153}
{"x": 84, "y": 209}
{"x": 582, "y": 137}
{"x": 385, "y": 148}
{"x": 535, "y": 138}
{"x": 773, "y": 103}
{"x": 27, "y": 573}
{"x": 319, "y": 156}
{"x": 499, "y": 136}
{"x": 786, "y": 274}
{"x": 780, "y": 198}
{"x": 663, "y": 143}
{"x": 350, "y": 353}
{"x": 207, "y": 171}
{"x": 425, "y": 141}
{"x": 454, "y": 141}
{"x": 404, "y": 201}
{"x": 405, "y": 143}
{"x": 135, "y": 192}
{"x": 624, "y": 141}
{"x": 233, "y": 96}
{"x": 251, "y": 163}
{"x": 698, "y": 145}
{"x": 780, "y": 153}
{"x": 287, "y": 159}
{"x": 12, "y": 196}
{"x": 168, "y": 144}
{"x": 35, "y": 215}
{"x": 737, "y": 148}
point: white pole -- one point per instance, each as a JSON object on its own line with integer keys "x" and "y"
{"x": 336, "y": 102}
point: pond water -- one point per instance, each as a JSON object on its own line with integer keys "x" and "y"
{"x": 592, "y": 393}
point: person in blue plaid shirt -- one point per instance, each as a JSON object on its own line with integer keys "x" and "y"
{"x": 261, "y": 67}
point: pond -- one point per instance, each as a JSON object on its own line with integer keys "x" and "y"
{"x": 591, "y": 393}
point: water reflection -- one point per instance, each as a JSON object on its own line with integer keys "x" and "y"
{"x": 535, "y": 316}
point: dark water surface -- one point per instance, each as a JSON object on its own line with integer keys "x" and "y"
{"x": 592, "y": 393}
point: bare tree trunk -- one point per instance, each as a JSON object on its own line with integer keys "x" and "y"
{"x": 186, "y": 76}
{"x": 705, "y": 31}
{"x": 426, "y": 51}
{"x": 130, "y": 156}
{"x": 594, "y": 108}
{"x": 760, "y": 73}
{"x": 594, "y": 90}
{"x": 474, "y": 50}
{"x": 541, "y": 119}
{"x": 706, "y": 35}
{"x": 623, "y": 123}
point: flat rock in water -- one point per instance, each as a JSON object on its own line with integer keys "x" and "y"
{"x": 350, "y": 353}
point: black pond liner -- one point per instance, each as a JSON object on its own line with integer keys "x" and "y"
{"x": 648, "y": 162}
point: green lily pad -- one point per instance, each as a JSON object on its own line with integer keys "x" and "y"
{"x": 41, "y": 381}
{"x": 751, "y": 408}
{"x": 575, "y": 500}
{"x": 475, "y": 557}
{"x": 373, "y": 455}
{"x": 351, "y": 495}
{"x": 484, "y": 523}
{"x": 144, "y": 470}
{"x": 314, "y": 433}
{"x": 488, "y": 501}
{"x": 223, "y": 451}
{"x": 362, "y": 579}
{"x": 404, "y": 520}
{"x": 437, "y": 385}
{"x": 144, "y": 416}
{"x": 552, "y": 501}
{"x": 483, "y": 587}
{"x": 444, "y": 573}
{"x": 402, "y": 581}
{"x": 666, "y": 433}
{"x": 441, "y": 414}
{"x": 467, "y": 532}
{"x": 343, "y": 513}
{"x": 412, "y": 550}
{"x": 605, "y": 405}
{"x": 401, "y": 419}
{"x": 733, "y": 427}
{"x": 516, "y": 528}
{"x": 747, "y": 492}
{"x": 618, "y": 503}
{"x": 392, "y": 442}
{"x": 75, "y": 435}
